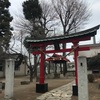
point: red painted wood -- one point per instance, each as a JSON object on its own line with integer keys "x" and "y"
{"x": 42, "y": 60}
{"x": 62, "y": 50}
{"x": 75, "y": 61}
{"x": 53, "y": 51}
{"x": 83, "y": 48}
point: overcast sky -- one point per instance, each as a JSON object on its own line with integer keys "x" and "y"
{"x": 94, "y": 5}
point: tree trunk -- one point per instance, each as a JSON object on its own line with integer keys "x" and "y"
{"x": 31, "y": 74}
{"x": 61, "y": 68}
{"x": 49, "y": 68}
{"x": 55, "y": 68}
{"x": 64, "y": 68}
{"x": 35, "y": 63}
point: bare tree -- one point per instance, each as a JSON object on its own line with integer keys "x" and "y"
{"x": 20, "y": 23}
{"x": 47, "y": 22}
{"x": 22, "y": 56}
{"x": 72, "y": 14}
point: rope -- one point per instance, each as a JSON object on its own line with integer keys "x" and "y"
{"x": 71, "y": 51}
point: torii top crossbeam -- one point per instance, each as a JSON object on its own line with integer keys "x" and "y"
{"x": 75, "y": 37}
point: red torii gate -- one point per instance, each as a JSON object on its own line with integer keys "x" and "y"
{"x": 75, "y": 38}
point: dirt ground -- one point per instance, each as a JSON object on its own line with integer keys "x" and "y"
{"x": 27, "y": 92}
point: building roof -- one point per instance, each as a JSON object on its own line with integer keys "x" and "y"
{"x": 57, "y": 59}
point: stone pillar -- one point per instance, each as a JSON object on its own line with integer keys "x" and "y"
{"x": 82, "y": 79}
{"x": 9, "y": 82}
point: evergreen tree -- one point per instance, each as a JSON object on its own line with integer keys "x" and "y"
{"x": 94, "y": 62}
{"x": 32, "y": 10}
{"x": 5, "y": 19}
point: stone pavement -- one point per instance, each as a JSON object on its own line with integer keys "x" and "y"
{"x": 62, "y": 93}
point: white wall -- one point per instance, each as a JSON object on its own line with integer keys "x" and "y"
{"x": 22, "y": 71}
{"x": 94, "y": 50}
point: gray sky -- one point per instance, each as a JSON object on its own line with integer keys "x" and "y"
{"x": 94, "y": 6}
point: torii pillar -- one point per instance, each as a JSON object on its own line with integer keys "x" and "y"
{"x": 75, "y": 87}
{"x": 42, "y": 87}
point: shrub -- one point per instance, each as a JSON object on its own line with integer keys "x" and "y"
{"x": 91, "y": 78}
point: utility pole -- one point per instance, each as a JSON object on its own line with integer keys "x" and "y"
{"x": 21, "y": 40}
{"x": 94, "y": 40}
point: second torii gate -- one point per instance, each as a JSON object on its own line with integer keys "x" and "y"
{"x": 40, "y": 44}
